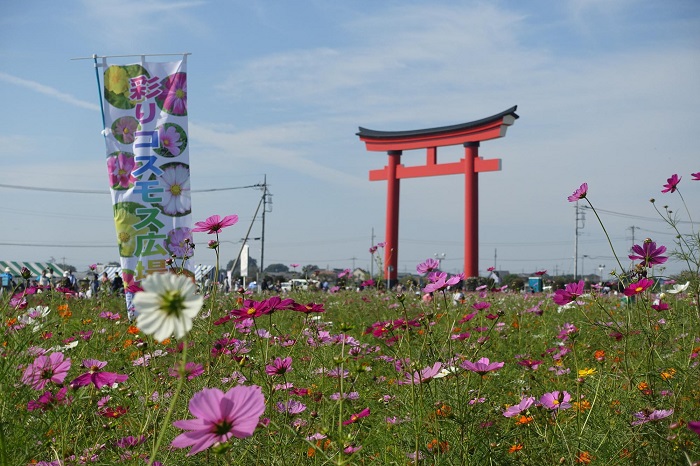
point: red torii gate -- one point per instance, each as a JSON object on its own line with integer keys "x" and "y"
{"x": 470, "y": 136}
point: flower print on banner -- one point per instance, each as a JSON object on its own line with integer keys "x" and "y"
{"x": 173, "y": 140}
{"x": 117, "y": 87}
{"x": 119, "y": 168}
{"x": 124, "y": 129}
{"x": 125, "y": 221}
{"x": 175, "y": 181}
{"x": 173, "y": 96}
{"x": 179, "y": 242}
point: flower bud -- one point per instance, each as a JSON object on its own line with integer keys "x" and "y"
{"x": 25, "y": 272}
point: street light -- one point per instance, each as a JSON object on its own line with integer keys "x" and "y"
{"x": 439, "y": 258}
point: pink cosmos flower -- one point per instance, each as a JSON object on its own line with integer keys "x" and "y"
{"x": 425, "y": 375}
{"x": 638, "y": 287}
{"x": 220, "y": 416}
{"x": 524, "y": 404}
{"x": 357, "y": 416}
{"x": 215, "y": 224}
{"x": 482, "y": 366}
{"x": 291, "y": 407}
{"x": 671, "y": 184}
{"x": 569, "y": 293}
{"x": 642, "y": 417}
{"x": 648, "y": 253}
{"x": 429, "y": 265}
{"x": 696, "y": 177}
{"x": 170, "y": 139}
{"x": 580, "y": 193}
{"x": 119, "y": 169}
{"x": 124, "y": 129}
{"x": 96, "y": 376}
{"x": 556, "y": 400}
{"x": 45, "y": 369}
{"x": 279, "y": 366}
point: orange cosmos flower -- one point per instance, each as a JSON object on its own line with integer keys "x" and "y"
{"x": 516, "y": 447}
{"x": 133, "y": 330}
{"x": 584, "y": 457}
{"x": 582, "y": 405}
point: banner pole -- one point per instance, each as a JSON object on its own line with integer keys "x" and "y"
{"x": 99, "y": 93}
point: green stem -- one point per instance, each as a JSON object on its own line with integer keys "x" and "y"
{"x": 606, "y": 235}
{"x": 173, "y": 402}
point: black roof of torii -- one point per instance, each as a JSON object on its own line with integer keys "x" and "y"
{"x": 441, "y": 129}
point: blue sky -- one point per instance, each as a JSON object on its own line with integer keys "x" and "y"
{"x": 607, "y": 93}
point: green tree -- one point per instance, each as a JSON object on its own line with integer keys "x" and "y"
{"x": 276, "y": 268}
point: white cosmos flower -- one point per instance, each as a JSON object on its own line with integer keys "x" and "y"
{"x": 167, "y": 305}
{"x": 176, "y": 197}
{"x": 679, "y": 288}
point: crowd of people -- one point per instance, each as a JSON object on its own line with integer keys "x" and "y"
{"x": 91, "y": 286}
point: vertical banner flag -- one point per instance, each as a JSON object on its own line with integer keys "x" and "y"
{"x": 148, "y": 166}
{"x": 245, "y": 251}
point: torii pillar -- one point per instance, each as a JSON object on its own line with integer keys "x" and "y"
{"x": 470, "y": 135}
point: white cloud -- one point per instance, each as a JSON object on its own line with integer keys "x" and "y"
{"x": 48, "y": 91}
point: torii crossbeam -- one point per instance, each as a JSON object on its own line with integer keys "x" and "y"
{"x": 470, "y": 135}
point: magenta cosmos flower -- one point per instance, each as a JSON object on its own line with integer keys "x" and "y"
{"x": 695, "y": 425}
{"x": 173, "y": 97}
{"x": 569, "y": 293}
{"x": 638, "y": 287}
{"x": 96, "y": 376}
{"x": 45, "y": 369}
{"x": 48, "y": 400}
{"x": 648, "y": 253}
{"x": 556, "y": 400}
{"x": 580, "y": 193}
{"x": 220, "y": 416}
{"x": 357, "y": 416}
{"x": 671, "y": 184}
{"x": 119, "y": 168}
{"x": 215, "y": 224}
{"x": 424, "y": 375}
{"x": 696, "y": 177}
{"x": 279, "y": 366}
{"x": 482, "y": 366}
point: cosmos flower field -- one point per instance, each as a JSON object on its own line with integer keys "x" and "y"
{"x": 573, "y": 376}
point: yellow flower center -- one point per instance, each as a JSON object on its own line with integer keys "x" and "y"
{"x": 180, "y": 93}
{"x": 250, "y": 311}
{"x": 176, "y": 190}
{"x": 124, "y": 237}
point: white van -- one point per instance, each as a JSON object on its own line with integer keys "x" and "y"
{"x": 298, "y": 284}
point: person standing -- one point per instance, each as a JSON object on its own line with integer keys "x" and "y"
{"x": 44, "y": 279}
{"x": 7, "y": 281}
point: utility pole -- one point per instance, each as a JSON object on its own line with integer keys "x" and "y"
{"x": 633, "y": 228}
{"x": 267, "y": 201}
{"x": 495, "y": 255}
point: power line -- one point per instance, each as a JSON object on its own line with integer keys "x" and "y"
{"x": 93, "y": 191}
{"x": 638, "y": 217}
